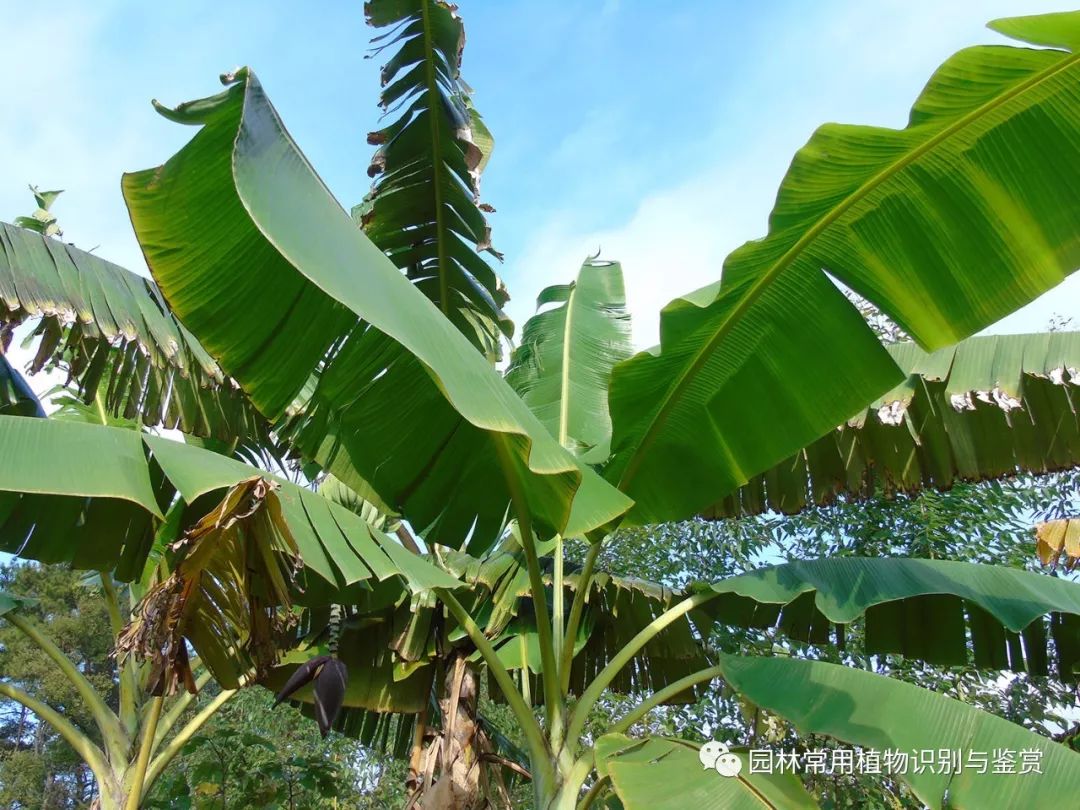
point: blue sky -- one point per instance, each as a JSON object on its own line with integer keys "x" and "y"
{"x": 658, "y": 133}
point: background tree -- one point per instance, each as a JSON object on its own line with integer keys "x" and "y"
{"x": 39, "y": 768}
{"x": 95, "y": 724}
{"x": 248, "y": 756}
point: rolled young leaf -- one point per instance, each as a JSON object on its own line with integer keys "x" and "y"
{"x": 562, "y": 369}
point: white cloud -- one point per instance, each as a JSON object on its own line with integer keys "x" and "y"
{"x": 850, "y": 61}
{"x": 76, "y": 116}
{"x": 673, "y": 243}
{"x": 57, "y": 133}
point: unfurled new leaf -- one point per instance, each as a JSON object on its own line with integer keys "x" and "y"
{"x": 562, "y": 369}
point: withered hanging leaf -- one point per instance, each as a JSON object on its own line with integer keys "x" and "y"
{"x": 227, "y": 594}
{"x": 1057, "y": 538}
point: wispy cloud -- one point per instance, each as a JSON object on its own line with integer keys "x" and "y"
{"x": 848, "y": 61}
{"x": 669, "y": 201}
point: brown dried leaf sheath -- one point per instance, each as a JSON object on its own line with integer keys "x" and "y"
{"x": 228, "y": 594}
{"x": 1058, "y": 538}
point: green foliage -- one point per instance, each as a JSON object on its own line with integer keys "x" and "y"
{"x": 988, "y": 522}
{"x": 562, "y": 367}
{"x": 252, "y": 756}
{"x": 974, "y": 411}
{"x": 272, "y": 758}
{"x": 141, "y": 359}
{"x": 643, "y": 773}
{"x": 772, "y": 356}
{"x": 424, "y": 210}
{"x": 37, "y": 767}
{"x": 85, "y": 503}
{"x": 361, "y": 355}
{"x": 359, "y": 346}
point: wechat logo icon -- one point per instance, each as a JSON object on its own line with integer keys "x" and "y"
{"x": 717, "y": 755}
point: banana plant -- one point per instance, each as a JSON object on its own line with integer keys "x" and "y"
{"x": 372, "y": 375}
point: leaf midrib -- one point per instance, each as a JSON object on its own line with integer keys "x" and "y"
{"x": 564, "y": 382}
{"x": 436, "y": 158}
{"x": 808, "y": 238}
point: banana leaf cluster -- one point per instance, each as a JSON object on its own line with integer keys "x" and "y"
{"x": 437, "y": 495}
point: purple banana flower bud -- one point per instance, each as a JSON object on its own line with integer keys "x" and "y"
{"x": 330, "y": 685}
{"x": 330, "y": 676}
{"x": 304, "y": 674}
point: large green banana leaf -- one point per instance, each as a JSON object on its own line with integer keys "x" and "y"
{"x": 946, "y": 225}
{"x": 885, "y": 714}
{"x": 562, "y": 369}
{"x": 110, "y": 331}
{"x": 984, "y": 408}
{"x": 16, "y": 396}
{"x": 257, "y": 258}
{"x": 655, "y": 773}
{"x": 925, "y": 609}
{"x": 92, "y": 496}
{"x": 424, "y": 208}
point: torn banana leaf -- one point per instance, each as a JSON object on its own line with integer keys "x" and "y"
{"x": 261, "y": 263}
